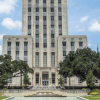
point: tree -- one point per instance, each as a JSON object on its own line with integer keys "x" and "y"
{"x": 90, "y": 79}
{"x": 80, "y": 63}
{"x": 10, "y": 69}
{"x": 26, "y": 80}
{"x": 61, "y": 81}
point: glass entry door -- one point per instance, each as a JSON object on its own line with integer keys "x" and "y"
{"x": 45, "y": 79}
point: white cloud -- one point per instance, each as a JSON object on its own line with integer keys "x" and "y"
{"x": 79, "y": 28}
{"x": 6, "y": 6}
{"x": 0, "y": 50}
{"x": 1, "y": 36}
{"x": 89, "y": 44}
{"x": 11, "y": 24}
{"x": 84, "y": 19}
{"x": 94, "y": 27}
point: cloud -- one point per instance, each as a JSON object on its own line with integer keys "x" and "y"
{"x": 94, "y": 27}
{"x": 1, "y": 36}
{"x": 6, "y": 6}
{"x": 11, "y": 24}
{"x": 0, "y": 50}
{"x": 84, "y": 19}
{"x": 89, "y": 44}
{"x": 79, "y": 28}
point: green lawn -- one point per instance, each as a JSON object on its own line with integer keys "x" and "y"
{"x": 2, "y": 97}
{"x": 93, "y": 97}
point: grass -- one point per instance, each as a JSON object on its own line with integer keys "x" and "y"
{"x": 93, "y": 97}
{"x": 1, "y": 97}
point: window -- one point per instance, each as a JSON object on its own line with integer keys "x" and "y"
{"x": 59, "y": 1}
{"x": 37, "y": 1}
{"x": 60, "y": 27}
{"x": 37, "y": 18}
{"x": 72, "y": 44}
{"x": 9, "y": 53}
{"x": 52, "y": 45}
{"x": 37, "y": 9}
{"x": 52, "y": 18}
{"x": 44, "y": 9}
{"x": 52, "y": 36}
{"x": 64, "y": 53}
{"x": 53, "y": 78}
{"x": 52, "y": 9}
{"x": 37, "y": 59}
{"x": 64, "y": 43}
{"x": 80, "y": 44}
{"x": 52, "y": 26}
{"x": 45, "y": 59}
{"x": 59, "y": 9}
{"x": 25, "y": 53}
{"x": 45, "y": 45}
{"x": 37, "y": 26}
{"x": 29, "y": 18}
{"x": 44, "y": 27}
{"x": 37, "y": 45}
{"x": 44, "y": 1}
{"x": 52, "y": 1}
{"x": 37, "y": 35}
{"x": 44, "y": 35}
{"x": 29, "y": 1}
{"x": 79, "y": 80}
{"x": 10, "y": 80}
{"x": 37, "y": 78}
{"x": 60, "y": 18}
{"x": 25, "y": 46}
{"x": 29, "y": 9}
{"x": 53, "y": 59}
{"x": 29, "y": 26}
{"x": 17, "y": 53}
{"x": 44, "y": 18}
{"x": 9, "y": 44}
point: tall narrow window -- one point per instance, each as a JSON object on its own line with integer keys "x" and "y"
{"x": 9, "y": 48}
{"x": 45, "y": 59}
{"x": 17, "y": 50}
{"x": 72, "y": 46}
{"x": 26, "y": 52}
{"x": 53, "y": 59}
{"x": 81, "y": 45}
{"x": 64, "y": 50}
{"x": 37, "y": 59}
{"x": 53, "y": 78}
{"x": 37, "y": 78}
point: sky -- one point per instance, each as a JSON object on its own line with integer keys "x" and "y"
{"x": 83, "y": 19}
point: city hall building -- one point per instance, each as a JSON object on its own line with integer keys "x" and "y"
{"x": 44, "y": 42}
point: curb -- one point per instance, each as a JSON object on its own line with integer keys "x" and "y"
{"x": 82, "y": 98}
{"x": 8, "y": 98}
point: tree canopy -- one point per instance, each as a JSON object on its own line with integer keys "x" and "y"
{"x": 83, "y": 63}
{"x": 10, "y": 69}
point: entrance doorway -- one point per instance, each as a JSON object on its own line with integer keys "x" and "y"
{"x": 45, "y": 79}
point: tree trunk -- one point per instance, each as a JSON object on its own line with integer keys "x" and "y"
{"x": 21, "y": 79}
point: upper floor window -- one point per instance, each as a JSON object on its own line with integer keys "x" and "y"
{"x": 9, "y": 43}
{"x": 37, "y": 9}
{"x": 44, "y": 27}
{"x": 60, "y": 18}
{"x": 37, "y": 1}
{"x": 44, "y": 1}
{"x": 29, "y": 26}
{"x": 52, "y": 18}
{"x": 72, "y": 44}
{"x": 44, "y": 9}
{"x": 59, "y": 9}
{"x": 29, "y": 18}
{"x": 52, "y": 9}
{"x": 80, "y": 44}
{"x": 29, "y": 9}
{"x": 52, "y": 1}
{"x": 59, "y": 1}
{"x": 37, "y": 26}
{"x": 44, "y": 18}
{"x": 37, "y": 18}
{"x": 29, "y": 1}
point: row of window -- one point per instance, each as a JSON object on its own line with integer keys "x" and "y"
{"x": 37, "y": 56}
{"x": 44, "y": 1}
